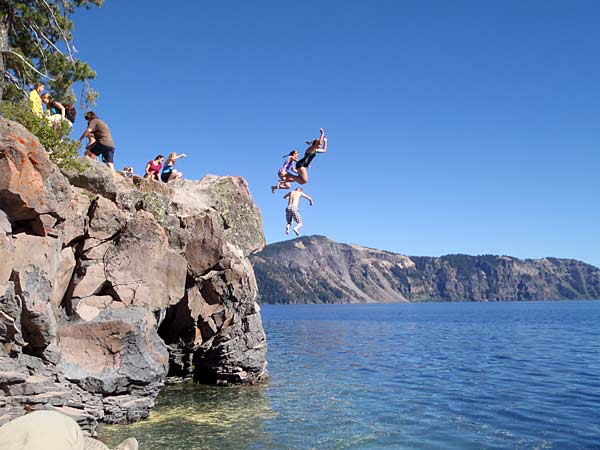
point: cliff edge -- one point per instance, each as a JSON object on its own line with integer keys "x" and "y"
{"x": 108, "y": 285}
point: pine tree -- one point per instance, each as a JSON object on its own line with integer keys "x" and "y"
{"x": 36, "y": 44}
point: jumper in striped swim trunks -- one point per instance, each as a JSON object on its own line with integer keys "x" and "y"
{"x": 291, "y": 211}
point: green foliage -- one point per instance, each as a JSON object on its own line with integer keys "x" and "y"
{"x": 38, "y": 46}
{"x": 63, "y": 151}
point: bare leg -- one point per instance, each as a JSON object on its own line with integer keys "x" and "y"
{"x": 89, "y": 155}
{"x": 297, "y": 227}
{"x": 111, "y": 167}
{"x": 302, "y": 177}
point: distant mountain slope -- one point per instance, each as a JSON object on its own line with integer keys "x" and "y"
{"x": 315, "y": 269}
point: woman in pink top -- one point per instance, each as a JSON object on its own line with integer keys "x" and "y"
{"x": 153, "y": 168}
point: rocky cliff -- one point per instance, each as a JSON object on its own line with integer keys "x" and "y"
{"x": 108, "y": 285}
{"x": 318, "y": 270}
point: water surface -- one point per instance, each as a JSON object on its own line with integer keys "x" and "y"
{"x": 401, "y": 376}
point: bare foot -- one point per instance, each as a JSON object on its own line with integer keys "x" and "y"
{"x": 296, "y": 232}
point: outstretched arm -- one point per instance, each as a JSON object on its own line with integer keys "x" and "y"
{"x": 85, "y": 134}
{"x": 321, "y": 137}
{"x": 322, "y": 142}
{"x": 182, "y": 155}
{"x": 307, "y": 197}
{"x": 61, "y": 108}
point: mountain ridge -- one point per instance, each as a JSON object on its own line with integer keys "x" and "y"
{"x": 315, "y": 269}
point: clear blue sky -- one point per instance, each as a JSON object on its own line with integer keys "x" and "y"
{"x": 454, "y": 127}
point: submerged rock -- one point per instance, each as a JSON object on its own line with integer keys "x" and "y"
{"x": 107, "y": 285}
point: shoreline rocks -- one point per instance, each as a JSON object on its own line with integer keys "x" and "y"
{"x": 108, "y": 285}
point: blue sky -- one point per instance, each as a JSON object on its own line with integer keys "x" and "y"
{"x": 454, "y": 127}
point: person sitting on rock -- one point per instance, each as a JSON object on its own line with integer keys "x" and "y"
{"x": 103, "y": 142}
{"x": 35, "y": 101}
{"x": 153, "y": 167}
{"x": 292, "y": 212}
{"x": 168, "y": 172}
{"x": 55, "y": 111}
{"x": 127, "y": 171}
{"x": 287, "y": 168}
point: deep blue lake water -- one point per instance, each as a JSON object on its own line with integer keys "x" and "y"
{"x": 402, "y": 376}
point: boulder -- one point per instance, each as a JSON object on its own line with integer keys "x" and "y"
{"x": 231, "y": 198}
{"x": 7, "y": 251}
{"x": 93, "y": 176}
{"x": 141, "y": 267}
{"x": 205, "y": 244}
{"x": 89, "y": 308}
{"x": 37, "y": 262}
{"x": 113, "y": 352}
{"x": 74, "y": 226}
{"x": 63, "y": 275}
{"x": 106, "y": 219}
{"x": 31, "y": 185}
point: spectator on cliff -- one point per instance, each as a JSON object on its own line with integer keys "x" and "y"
{"x": 57, "y": 112}
{"x": 316, "y": 146}
{"x": 102, "y": 143}
{"x": 153, "y": 168}
{"x": 35, "y": 101}
{"x": 168, "y": 172}
{"x": 127, "y": 171}
{"x": 292, "y": 212}
{"x": 287, "y": 168}
{"x": 51, "y": 430}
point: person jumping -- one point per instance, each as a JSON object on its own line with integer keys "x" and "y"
{"x": 286, "y": 169}
{"x": 292, "y": 212}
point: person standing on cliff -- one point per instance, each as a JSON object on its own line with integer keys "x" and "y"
{"x": 35, "y": 101}
{"x": 103, "y": 143}
{"x": 292, "y": 212}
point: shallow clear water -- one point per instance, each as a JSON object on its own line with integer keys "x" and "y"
{"x": 401, "y": 376}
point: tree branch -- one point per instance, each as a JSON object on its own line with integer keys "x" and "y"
{"x": 28, "y": 64}
{"x": 63, "y": 34}
{"x": 14, "y": 81}
{"x": 33, "y": 27}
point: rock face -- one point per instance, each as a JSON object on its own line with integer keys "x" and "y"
{"x": 317, "y": 270}
{"x": 107, "y": 285}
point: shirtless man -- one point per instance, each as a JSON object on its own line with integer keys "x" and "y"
{"x": 291, "y": 212}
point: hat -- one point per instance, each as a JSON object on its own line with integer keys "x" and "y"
{"x": 50, "y": 430}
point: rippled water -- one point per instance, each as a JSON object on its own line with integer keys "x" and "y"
{"x": 402, "y": 376}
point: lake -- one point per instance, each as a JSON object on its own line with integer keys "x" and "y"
{"x": 401, "y": 376}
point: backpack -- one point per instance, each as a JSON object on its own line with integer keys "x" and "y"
{"x": 70, "y": 113}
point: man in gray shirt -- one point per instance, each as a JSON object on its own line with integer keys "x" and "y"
{"x": 102, "y": 143}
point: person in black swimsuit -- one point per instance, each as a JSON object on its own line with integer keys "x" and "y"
{"x": 316, "y": 146}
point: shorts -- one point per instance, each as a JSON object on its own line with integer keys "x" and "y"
{"x": 165, "y": 176}
{"x": 107, "y": 152}
{"x": 292, "y": 213}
